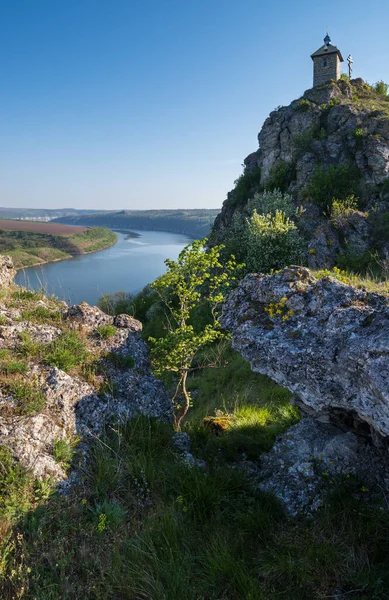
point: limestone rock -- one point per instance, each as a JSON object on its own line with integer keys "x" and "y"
{"x": 325, "y": 341}
{"x": 7, "y": 271}
{"x": 127, "y": 322}
{"x": 85, "y": 317}
{"x": 312, "y": 457}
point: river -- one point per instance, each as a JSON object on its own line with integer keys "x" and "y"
{"x": 127, "y": 266}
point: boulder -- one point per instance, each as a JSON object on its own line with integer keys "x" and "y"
{"x": 324, "y": 340}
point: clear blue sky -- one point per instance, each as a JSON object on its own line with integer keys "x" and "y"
{"x": 155, "y": 103}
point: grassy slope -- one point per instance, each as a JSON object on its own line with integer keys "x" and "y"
{"x": 28, "y": 249}
{"x": 142, "y": 525}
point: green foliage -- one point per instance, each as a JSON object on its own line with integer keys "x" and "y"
{"x": 66, "y": 352}
{"x": 146, "y": 525}
{"x": 342, "y": 209}
{"x": 108, "y": 514}
{"x": 122, "y": 361}
{"x": 63, "y": 451}
{"x": 272, "y": 242}
{"x": 271, "y": 202}
{"x": 335, "y": 181}
{"x": 303, "y": 105}
{"x": 280, "y": 176}
{"x": 246, "y": 185}
{"x": 359, "y": 135}
{"x": 197, "y": 277}
{"x": 345, "y": 77}
{"x": 9, "y": 364}
{"x": 381, "y": 88}
{"x": 304, "y": 142}
{"x": 106, "y": 331}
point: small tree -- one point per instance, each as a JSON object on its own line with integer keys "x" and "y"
{"x": 197, "y": 277}
{"x": 381, "y": 88}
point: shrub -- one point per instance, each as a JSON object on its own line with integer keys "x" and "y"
{"x": 280, "y": 176}
{"x": 246, "y": 185}
{"x": 381, "y": 88}
{"x": 272, "y": 242}
{"x": 27, "y": 346}
{"x": 303, "y": 142}
{"x": 342, "y": 209}
{"x": 271, "y": 202}
{"x": 66, "y": 352}
{"x": 106, "y": 331}
{"x": 63, "y": 451}
{"x": 340, "y": 182}
{"x": 303, "y": 105}
{"x": 359, "y": 135}
{"x": 345, "y": 77}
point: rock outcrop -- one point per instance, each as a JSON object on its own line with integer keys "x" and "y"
{"x": 312, "y": 457}
{"x": 324, "y": 340}
{"x": 340, "y": 123}
{"x": 41, "y": 405}
{"x": 7, "y": 271}
{"x": 328, "y": 343}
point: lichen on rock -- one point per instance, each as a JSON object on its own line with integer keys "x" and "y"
{"x": 332, "y": 350}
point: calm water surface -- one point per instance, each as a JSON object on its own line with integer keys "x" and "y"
{"x": 128, "y": 266}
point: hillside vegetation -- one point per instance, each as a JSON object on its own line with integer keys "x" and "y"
{"x": 196, "y": 223}
{"x": 329, "y": 161}
{"x": 28, "y": 246}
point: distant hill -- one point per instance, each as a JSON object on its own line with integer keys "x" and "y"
{"x": 196, "y": 223}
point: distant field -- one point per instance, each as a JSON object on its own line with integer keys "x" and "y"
{"x": 31, "y": 243}
{"x": 37, "y": 227}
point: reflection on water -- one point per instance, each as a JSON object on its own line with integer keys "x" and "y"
{"x": 128, "y": 266}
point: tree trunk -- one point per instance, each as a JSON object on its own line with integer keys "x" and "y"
{"x": 181, "y": 412}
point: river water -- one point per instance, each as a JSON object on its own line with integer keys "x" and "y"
{"x": 127, "y": 266}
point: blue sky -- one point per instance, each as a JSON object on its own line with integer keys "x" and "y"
{"x": 155, "y": 103}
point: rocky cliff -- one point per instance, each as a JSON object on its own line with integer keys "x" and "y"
{"x": 66, "y": 373}
{"x": 336, "y": 137}
{"x": 328, "y": 343}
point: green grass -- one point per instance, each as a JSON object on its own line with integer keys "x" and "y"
{"x": 10, "y": 364}
{"x": 66, "y": 352}
{"x": 41, "y": 314}
{"x": 63, "y": 451}
{"x": 106, "y": 331}
{"x": 146, "y": 526}
{"x": 377, "y": 285}
{"x": 29, "y": 399}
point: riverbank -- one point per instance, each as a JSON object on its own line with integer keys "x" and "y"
{"x": 34, "y": 248}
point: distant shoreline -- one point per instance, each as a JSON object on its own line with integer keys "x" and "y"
{"x": 62, "y": 259}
